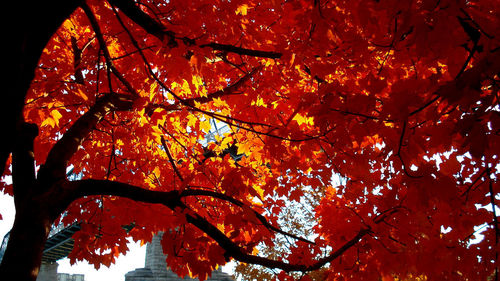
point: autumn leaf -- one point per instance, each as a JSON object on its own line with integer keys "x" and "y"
{"x": 301, "y": 119}
{"x": 242, "y": 9}
{"x": 53, "y": 119}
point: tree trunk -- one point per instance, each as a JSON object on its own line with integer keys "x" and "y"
{"x": 30, "y": 25}
{"x": 22, "y": 258}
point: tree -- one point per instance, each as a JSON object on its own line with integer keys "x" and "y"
{"x": 108, "y": 105}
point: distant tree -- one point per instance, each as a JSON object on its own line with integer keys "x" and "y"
{"x": 399, "y": 99}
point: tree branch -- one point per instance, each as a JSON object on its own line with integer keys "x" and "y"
{"x": 27, "y": 39}
{"x": 261, "y": 218}
{"x": 235, "y": 251}
{"x": 23, "y": 161}
{"x": 144, "y": 20}
{"x": 488, "y": 66}
{"x": 190, "y": 102}
{"x": 58, "y": 157}
{"x": 366, "y": 116}
{"x": 91, "y": 187}
{"x": 107, "y": 56}
{"x": 172, "y": 200}
{"x": 157, "y": 29}
{"x": 171, "y": 159}
{"x": 242, "y": 51}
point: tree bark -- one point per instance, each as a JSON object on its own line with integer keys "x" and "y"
{"x": 30, "y": 25}
{"x": 22, "y": 258}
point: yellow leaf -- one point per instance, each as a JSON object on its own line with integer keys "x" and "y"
{"x": 114, "y": 48}
{"x": 68, "y": 25}
{"x": 205, "y": 126}
{"x": 225, "y": 142}
{"x": 53, "y": 120}
{"x": 259, "y": 190}
{"x": 242, "y": 10}
{"x": 245, "y": 148}
{"x": 191, "y": 121}
{"x": 219, "y": 103}
{"x": 303, "y": 119}
{"x": 156, "y": 171}
{"x": 142, "y": 117}
{"x": 198, "y": 84}
{"x": 175, "y": 85}
{"x": 47, "y": 121}
{"x": 268, "y": 62}
{"x": 157, "y": 133}
{"x": 185, "y": 87}
{"x": 152, "y": 91}
{"x": 259, "y": 102}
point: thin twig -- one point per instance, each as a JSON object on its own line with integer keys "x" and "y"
{"x": 172, "y": 162}
{"x": 495, "y": 219}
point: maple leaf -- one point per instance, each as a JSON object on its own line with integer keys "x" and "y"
{"x": 245, "y": 148}
{"x": 242, "y": 9}
{"x": 303, "y": 119}
{"x": 53, "y": 119}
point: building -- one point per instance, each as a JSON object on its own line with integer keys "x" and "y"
{"x": 48, "y": 272}
{"x": 70, "y": 277}
{"x": 156, "y": 269}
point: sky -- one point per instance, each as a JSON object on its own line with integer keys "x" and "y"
{"x": 135, "y": 258}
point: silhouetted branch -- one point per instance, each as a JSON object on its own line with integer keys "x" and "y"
{"x": 23, "y": 161}
{"x": 58, "y": 157}
{"x": 242, "y": 51}
{"x": 172, "y": 200}
{"x": 157, "y": 29}
{"x": 171, "y": 159}
{"x": 261, "y": 218}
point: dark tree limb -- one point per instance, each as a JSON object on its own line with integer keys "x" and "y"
{"x": 242, "y": 51}
{"x": 233, "y": 250}
{"x": 91, "y": 187}
{"x": 102, "y": 45}
{"x": 57, "y": 160}
{"x": 172, "y": 200}
{"x": 261, "y": 218}
{"x": 27, "y": 39}
{"x": 230, "y": 90}
{"x": 156, "y": 29}
{"x": 131, "y": 10}
{"x": 171, "y": 159}
{"x": 35, "y": 24}
{"x": 23, "y": 161}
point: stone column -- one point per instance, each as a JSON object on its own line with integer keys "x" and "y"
{"x": 48, "y": 271}
{"x": 140, "y": 274}
{"x": 155, "y": 259}
{"x": 156, "y": 267}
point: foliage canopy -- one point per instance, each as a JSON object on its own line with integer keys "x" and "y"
{"x": 395, "y": 100}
